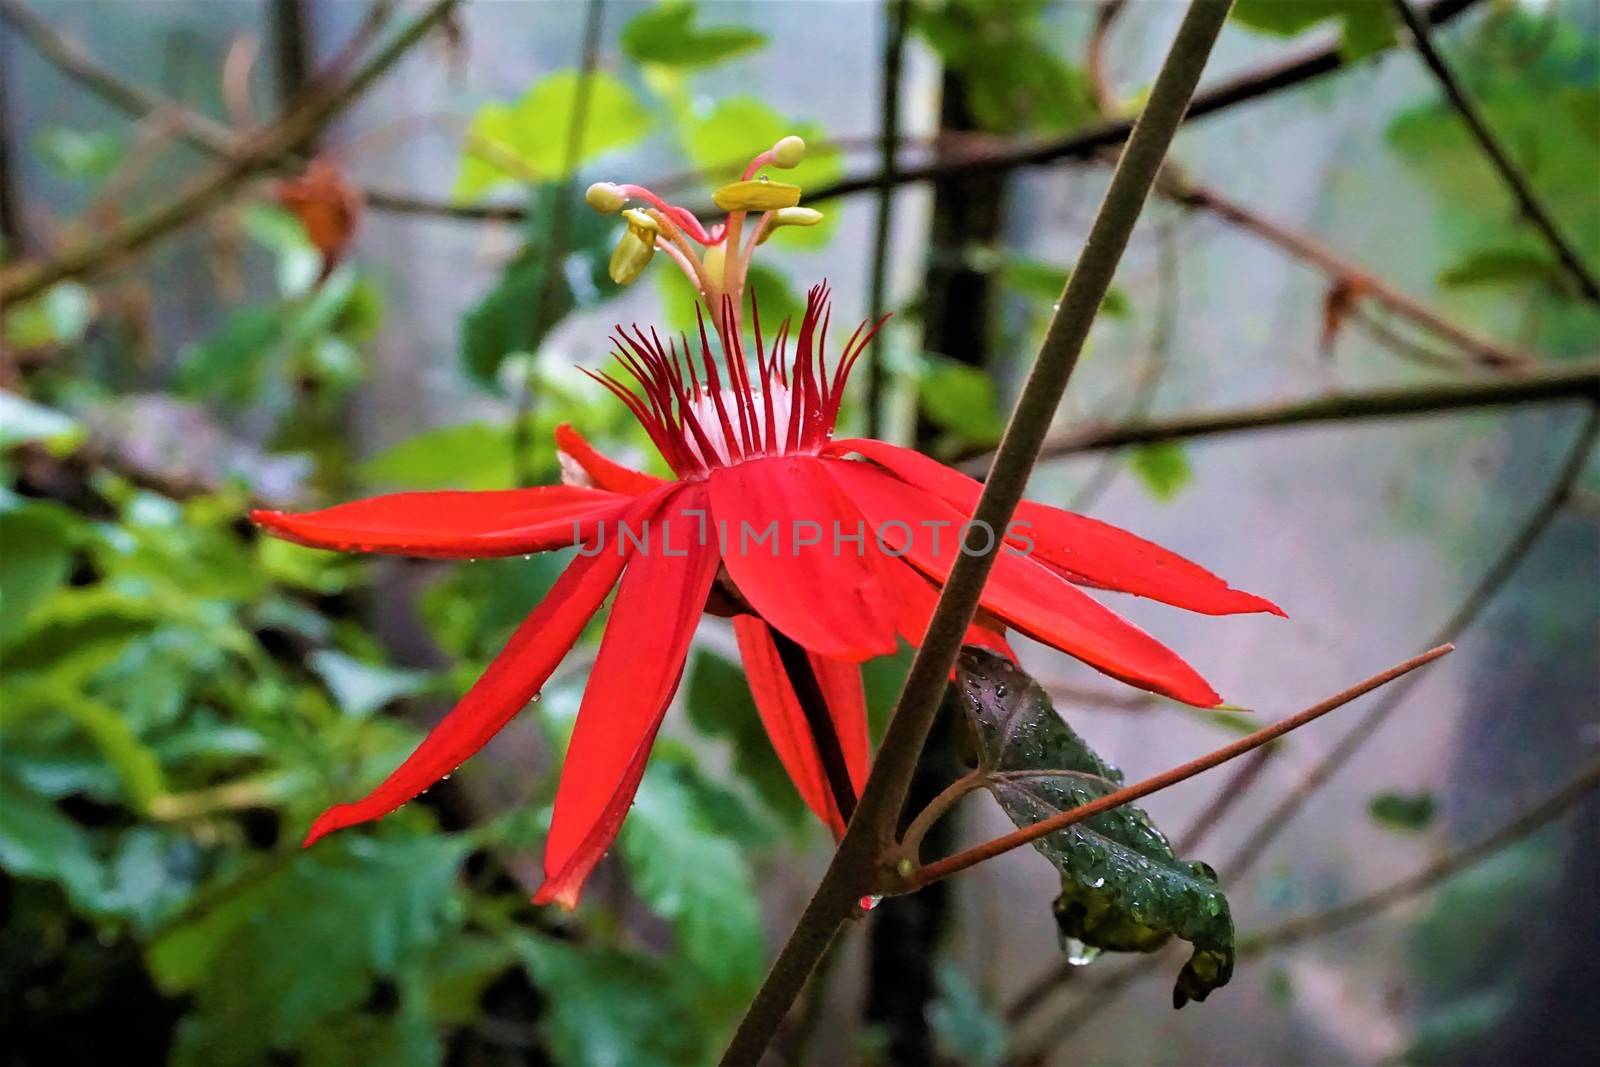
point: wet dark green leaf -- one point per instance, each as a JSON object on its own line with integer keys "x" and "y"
{"x": 1122, "y": 888}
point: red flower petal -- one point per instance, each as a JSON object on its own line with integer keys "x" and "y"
{"x": 786, "y": 722}
{"x": 452, "y": 524}
{"x": 641, "y": 660}
{"x": 511, "y": 680}
{"x": 829, "y": 595}
{"x": 1028, "y": 596}
{"x": 605, "y": 472}
{"x": 1085, "y": 550}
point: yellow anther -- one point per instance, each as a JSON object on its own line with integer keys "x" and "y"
{"x": 788, "y": 152}
{"x": 641, "y": 222}
{"x": 788, "y": 216}
{"x": 605, "y": 197}
{"x": 757, "y": 195}
{"x": 632, "y": 255}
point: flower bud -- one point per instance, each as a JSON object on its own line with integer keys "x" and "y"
{"x": 632, "y": 255}
{"x": 788, "y": 152}
{"x": 756, "y": 195}
{"x": 788, "y": 216}
{"x": 605, "y": 197}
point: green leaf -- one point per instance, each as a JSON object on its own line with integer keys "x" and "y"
{"x": 234, "y": 364}
{"x": 969, "y": 1031}
{"x": 35, "y": 556}
{"x": 1163, "y": 467}
{"x": 527, "y": 140}
{"x": 1367, "y": 26}
{"x": 1500, "y": 266}
{"x": 22, "y": 422}
{"x": 79, "y": 155}
{"x": 1039, "y": 280}
{"x": 606, "y": 1008}
{"x": 719, "y": 705}
{"x": 1014, "y": 82}
{"x": 362, "y": 688}
{"x": 58, "y": 316}
{"x": 514, "y": 318}
{"x": 693, "y": 875}
{"x": 1122, "y": 888}
{"x": 961, "y": 399}
{"x": 470, "y": 455}
{"x": 38, "y": 841}
{"x": 666, "y": 34}
{"x": 283, "y": 953}
{"x": 1402, "y": 811}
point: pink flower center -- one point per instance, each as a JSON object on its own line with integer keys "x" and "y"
{"x": 716, "y": 416}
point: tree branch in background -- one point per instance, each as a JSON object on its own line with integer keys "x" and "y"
{"x": 1569, "y": 381}
{"x": 1517, "y": 182}
{"x": 1503, "y": 567}
{"x": 555, "y": 245}
{"x": 897, "y": 14}
{"x": 1355, "y": 911}
{"x": 1363, "y": 283}
{"x": 872, "y": 829}
{"x": 255, "y": 155}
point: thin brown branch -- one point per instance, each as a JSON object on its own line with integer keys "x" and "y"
{"x": 1294, "y": 69}
{"x": 1442, "y": 869}
{"x": 1365, "y": 284}
{"x": 258, "y": 154}
{"x": 1580, "y": 380}
{"x": 971, "y": 857}
{"x": 1516, "y": 182}
{"x": 1505, "y": 564}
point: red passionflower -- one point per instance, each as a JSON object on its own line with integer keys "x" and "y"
{"x": 838, "y": 545}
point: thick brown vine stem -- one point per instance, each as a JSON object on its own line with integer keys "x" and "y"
{"x": 1521, "y": 189}
{"x": 254, "y": 156}
{"x": 971, "y": 857}
{"x": 871, "y": 832}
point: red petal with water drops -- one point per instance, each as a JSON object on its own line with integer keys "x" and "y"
{"x": 512, "y": 679}
{"x": 1085, "y": 550}
{"x": 1030, "y": 597}
{"x": 605, "y": 472}
{"x": 785, "y": 722}
{"x": 451, "y": 524}
{"x": 828, "y": 595}
{"x": 641, "y": 660}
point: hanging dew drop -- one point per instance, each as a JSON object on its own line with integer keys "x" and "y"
{"x": 1079, "y": 954}
{"x": 867, "y": 903}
